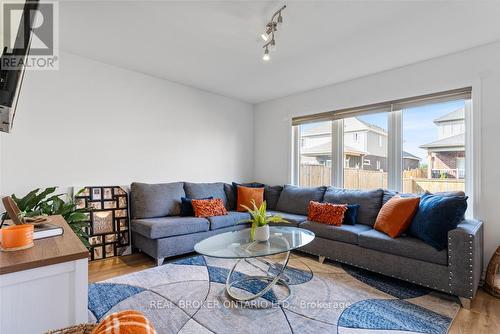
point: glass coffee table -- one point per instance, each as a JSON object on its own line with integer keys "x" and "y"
{"x": 237, "y": 245}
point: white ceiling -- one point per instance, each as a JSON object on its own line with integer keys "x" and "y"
{"x": 215, "y": 45}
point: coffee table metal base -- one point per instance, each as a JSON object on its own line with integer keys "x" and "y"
{"x": 271, "y": 280}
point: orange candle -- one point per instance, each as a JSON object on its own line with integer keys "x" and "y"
{"x": 17, "y": 237}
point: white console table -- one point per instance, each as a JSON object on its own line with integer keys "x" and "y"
{"x": 44, "y": 287}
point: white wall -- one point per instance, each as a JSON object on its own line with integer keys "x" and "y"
{"x": 478, "y": 67}
{"x": 94, "y": 124}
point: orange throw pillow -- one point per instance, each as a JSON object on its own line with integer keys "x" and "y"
{"x": 208, "y": 207}
{"x": 125, "y": 322}
{"x": 246, "y": 195}
{"x": 326, "y": 213}
{"x": 396, "y": 215}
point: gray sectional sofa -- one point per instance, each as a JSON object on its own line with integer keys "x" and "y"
{"x": 158, "y": 231}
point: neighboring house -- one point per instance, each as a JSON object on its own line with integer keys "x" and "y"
{"x": 446, "y": 156}
{"x": 365, "y": 146}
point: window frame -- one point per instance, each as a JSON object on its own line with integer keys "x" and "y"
{"x": 394, "y": 110}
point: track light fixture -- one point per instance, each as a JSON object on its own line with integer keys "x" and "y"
{"x": 271, "y": 28}
{"x": 266, "y": 56}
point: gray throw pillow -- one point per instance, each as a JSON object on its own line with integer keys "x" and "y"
{"x": 272, "y": 195}
{"x": 156, "y": 200}
{"x": 370, "y": 202}
{"x": 296, "y": 200}
{"x": 388, "y": 194}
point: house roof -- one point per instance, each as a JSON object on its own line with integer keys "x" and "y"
{"x": 372, "y": 126}
{"x": 407, "y": 155}
{"x": 326, "y": 149}
{"x": 320, "y": 128}
{"x": 351, "y": 124}
{"x": 455, "y": 115}
{"x": 453, "y": 141}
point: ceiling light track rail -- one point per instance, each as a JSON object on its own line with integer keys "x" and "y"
{"x": 269, "y": 35}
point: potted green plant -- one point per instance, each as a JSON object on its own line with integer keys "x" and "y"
{"x": 259, "y": 219}
{"x": 46, "y": 203}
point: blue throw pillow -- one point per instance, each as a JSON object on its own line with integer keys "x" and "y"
{"x": 187, "y": 206}
{"x": 435, "y": 217}
{"x": 351, "y": 214}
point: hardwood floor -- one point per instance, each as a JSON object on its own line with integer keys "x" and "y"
{"x": 103, "y": 269}
{"x": 482, "y": 318}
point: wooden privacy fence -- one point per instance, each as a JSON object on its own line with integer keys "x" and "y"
{"x": 414, "y": 181}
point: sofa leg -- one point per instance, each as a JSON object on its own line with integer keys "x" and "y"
{"x": 465, "y": 302}
{"x": 321, "y": 259}
{"x": 159, "y": 262}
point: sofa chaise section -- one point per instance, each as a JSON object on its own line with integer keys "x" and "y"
{"x": 154, "y": 228}
{"x": 157, "y": 228}
{"x": 455, "y": 270}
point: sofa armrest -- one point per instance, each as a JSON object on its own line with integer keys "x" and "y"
{"x": 465, "y": 258}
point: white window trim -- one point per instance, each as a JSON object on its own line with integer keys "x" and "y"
{"x": 395, "y": 151}
{"x": 337, "y": 176}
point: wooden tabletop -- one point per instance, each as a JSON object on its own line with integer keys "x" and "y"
{"x": 53, "y": 250}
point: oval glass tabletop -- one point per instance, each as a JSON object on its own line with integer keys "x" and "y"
{"x": 237, "y": 244}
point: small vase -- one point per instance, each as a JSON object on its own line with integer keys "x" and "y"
{"x": 262, "y": 233}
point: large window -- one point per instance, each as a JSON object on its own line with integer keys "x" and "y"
{"x": 434, "y": 147}
{"x": 365, "y": 151}
{"x": 410, "y": 145}
{"x": 315, "y": 154}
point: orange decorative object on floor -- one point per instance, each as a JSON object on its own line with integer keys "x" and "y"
{"x": 125, "y": 322}
{"x": 208, "y": 207}
{"x": 326, "y": 213}
{"x": 246, "y": 195}
{"x": 396, "y": 215}
{"x": 17, "y": 237}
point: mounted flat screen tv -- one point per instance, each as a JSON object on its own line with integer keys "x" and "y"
{"x": 11, "y": 77}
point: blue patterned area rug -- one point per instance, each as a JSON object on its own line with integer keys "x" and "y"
{"x": 187, "y": 296}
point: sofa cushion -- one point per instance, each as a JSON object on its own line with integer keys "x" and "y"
{"x": 232, "y": 218}
{"x": 395, "y": 216}
{"x": 388, "y": 194}
{"x": 247, "y": 185}
{"x": 187, "y": 206}
{"x": 403, "y": 246}
{"x": 272, "y": 195}
{"x": 204, "y": 190}
{"x": 351, "y": 214}
{"x": 292, "y": 219}
{"x": 248, "y": 197}
{"x": 156, "y": 200}
{"x": 436, "y": 216}
{"x": 155, "y": 228}
{"x": 296, "y": 199}
{"x": 204, "y": 208}
{"x": 326, "y": 213}
{"x": 230, "y": 195}
{"x": 370, "y": 202}
{"x": 343, "y": 233}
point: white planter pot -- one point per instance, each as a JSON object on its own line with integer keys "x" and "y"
{"x": 262, "y": 233}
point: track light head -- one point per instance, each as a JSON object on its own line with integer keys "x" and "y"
{"x": 266, "y": 56}
{"x": 265, "y": 36}
{"x": 280, "y": 18}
